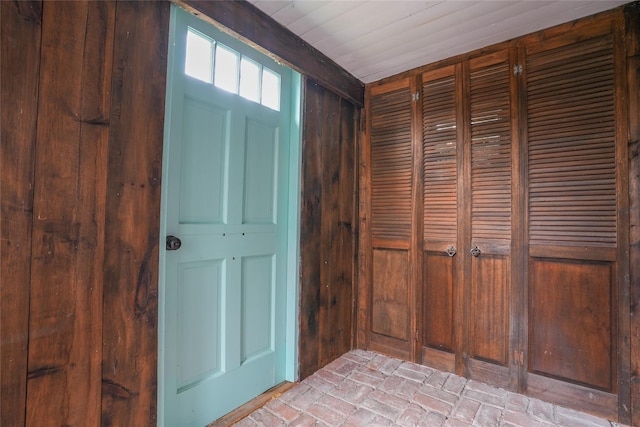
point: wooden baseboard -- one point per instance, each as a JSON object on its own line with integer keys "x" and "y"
{"x": 257, "y": 403}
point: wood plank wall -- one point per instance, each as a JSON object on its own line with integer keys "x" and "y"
{"x": 133, "y": 214}
{"x": 82, "y": 127}
{"x": 82, "y": 115}
{"x": 72, "y": 136}
{"x": 328, "y": 229}
{"x": 21, "y": 24}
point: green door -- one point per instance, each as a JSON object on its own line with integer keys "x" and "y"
{"x": 227, "y": 199}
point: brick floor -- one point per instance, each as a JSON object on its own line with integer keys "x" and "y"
{"x": 364, "y": 388}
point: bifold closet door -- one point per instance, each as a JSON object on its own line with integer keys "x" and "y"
{"x": 391, "y": 305}
{"x": 467, "y": 148}
{"x": 441, "y": 163}
{"x": 576, "y": 171}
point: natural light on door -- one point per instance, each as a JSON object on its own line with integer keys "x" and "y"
{"x": 212, "y": 62}
{"x": 198, "y": 62}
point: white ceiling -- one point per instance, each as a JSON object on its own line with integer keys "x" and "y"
{"x": 373, "y": 39}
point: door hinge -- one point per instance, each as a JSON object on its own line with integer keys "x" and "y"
{"x": 415, "y": 96}
{"x": 518, "y": 358}
{"x": 417, "y": 334}
{"x": 517, "y": 69}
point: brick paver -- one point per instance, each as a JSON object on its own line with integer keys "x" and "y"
{"x": 363, "y": 388}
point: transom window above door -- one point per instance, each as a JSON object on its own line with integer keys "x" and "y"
{"x": 212, "y": 62}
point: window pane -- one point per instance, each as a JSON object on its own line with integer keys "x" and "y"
{"x": 226, "y": 69}
{"x": 198, "y": 59}
{"x": 250, "y": 79}
{"x": 271, "y": 89}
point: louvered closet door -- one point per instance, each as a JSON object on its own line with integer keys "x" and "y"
{"x": 488, "y": 236}
{"x": 442, "y": 154}
{"x": 573, "y": 225}
{"x": 391, "y": 225}
{"x": 467, "y": 218}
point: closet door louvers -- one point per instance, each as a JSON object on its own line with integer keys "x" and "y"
{"x": 391, "y": 166}
{"x": 571, "y": 120}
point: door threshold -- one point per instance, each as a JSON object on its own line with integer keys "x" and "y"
{"x": 252, "y": 405}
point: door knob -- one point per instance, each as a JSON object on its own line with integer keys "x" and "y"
{"x": 475, "y": 251}
{"x": 451, "y": 251}
{"x": 173, "y": 243}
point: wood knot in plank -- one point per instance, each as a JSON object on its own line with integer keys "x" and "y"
{"x": 116, "y": 390}
{"x": 30, "y": 11}
{"x": 44, "y": 371}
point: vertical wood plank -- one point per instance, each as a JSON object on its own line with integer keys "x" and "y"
{"x": 365, "y": 264}
{"x": 133, "y": 214}
{"x": 347, "y": 225}
{"x": 327, "y": 249}
{"x": 20, "y": 34}
{"x": 310, "y": 230}
{"x": 330, "y": 244}
{"x": 65, "y": 321}
{"x": 328, "y": 204}
{"x": 632, "y": 16}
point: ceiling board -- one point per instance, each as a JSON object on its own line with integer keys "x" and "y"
{"x": 373, "y": 39}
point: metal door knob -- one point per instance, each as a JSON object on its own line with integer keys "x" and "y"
{"x": 173, "y": 243}
{"x": 475, "y": 251}
{"x": 451, "y": 251}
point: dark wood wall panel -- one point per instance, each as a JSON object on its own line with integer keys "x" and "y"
{"x": 19, "y": 83}
{"x": 342, "y": 232}
{"x": 93, "y": 347}
{"x": 311, "y": 289}
{"x": 327, "y": 240}
{"x": 69, "y": 190}
{"x": 81, "y": 155}
{"x": 133, "y": 214}
{"x": 83, "y": 87}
